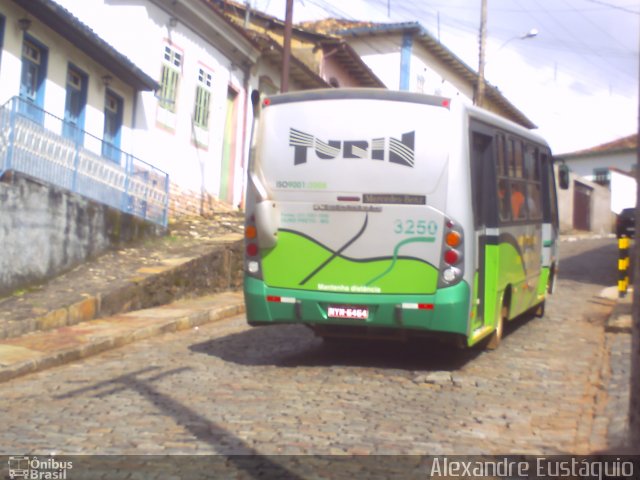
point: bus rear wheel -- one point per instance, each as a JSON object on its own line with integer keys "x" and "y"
{"x": 496, "y": 336}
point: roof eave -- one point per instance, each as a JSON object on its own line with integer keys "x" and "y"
{"x": 446, "y": 56}
{"x": 298, "y": 70}
{"x": 353, "y": 63}
{"x": 597, "y": 153}
{"x": 69, "y": 27}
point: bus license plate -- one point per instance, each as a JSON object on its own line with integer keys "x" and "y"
{"x": 347, "y": 311}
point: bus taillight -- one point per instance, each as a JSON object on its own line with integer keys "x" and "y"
{"x": 453, "y": 239}
{"x": 250, "y": 232}
{"x": 252, "y": 251}
{"x": 451, "y": 257}
{"x": 451, "y": 266}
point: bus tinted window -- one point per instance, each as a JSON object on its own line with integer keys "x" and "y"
{"x": 503, "y": 167}
{"x": 504, "y": 200}
{"x": 531, "y": 169}
{"x": 534, "y": 201}
{"x": 517, "y": 156}
{"x": 509, "y": 157}
{"x": 518, "y": 200}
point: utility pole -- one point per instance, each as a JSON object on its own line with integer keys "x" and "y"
{"x": 286, "y": 54}
{"x": 479, "y": 97}
{"x": 247, "y": 13}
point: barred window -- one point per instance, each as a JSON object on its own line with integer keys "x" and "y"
{"x": 170, "y": 78}
{"x": 203, "y": 99}
{"x": 519, "y": 180}
{"x": 602, "y": 176}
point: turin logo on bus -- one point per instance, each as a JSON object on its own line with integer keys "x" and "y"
{"x": 400, "y": 151}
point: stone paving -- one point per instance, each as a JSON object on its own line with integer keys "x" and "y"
{"x": 227, "y": 388}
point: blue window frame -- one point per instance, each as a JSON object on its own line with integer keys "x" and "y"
{"x": 75, "y": 103}
{"x": 112, "y": 126}
{"x": 32, "y": 80}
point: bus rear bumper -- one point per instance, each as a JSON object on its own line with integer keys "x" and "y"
{"x": 446, "y": 311}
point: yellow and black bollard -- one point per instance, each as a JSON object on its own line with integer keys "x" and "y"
{"x": 623, "y": 265}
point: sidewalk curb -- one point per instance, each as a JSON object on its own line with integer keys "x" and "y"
{"x": 620, "y": 319}
{"x": 157, "y": 284}
{"x": 98, "y": 336}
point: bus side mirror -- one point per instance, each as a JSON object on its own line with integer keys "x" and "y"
{"x": 255, "y": 102}
{"x": 563, "y": 176}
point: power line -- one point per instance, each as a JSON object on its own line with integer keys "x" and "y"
{"x": 595, "y": 25}
{"x": 616, "y": 7}
{"x": 579, "y": 41}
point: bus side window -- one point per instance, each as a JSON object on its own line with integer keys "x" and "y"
{"x": 518, "y": 160}
{"x": 531, "y": 168}
{"x": 518, "y": 201}
{"x": 504, "y": 200}
{"x": 509, "y": 157}
{"x": 534, "y": 201}
{"x": 503, "y": 166}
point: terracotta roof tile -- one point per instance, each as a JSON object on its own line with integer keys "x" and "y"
{"x": 330, "y": 25}
{"x": 625, "y": 143}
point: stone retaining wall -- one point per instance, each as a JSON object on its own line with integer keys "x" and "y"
{"x": 45, "y": 230}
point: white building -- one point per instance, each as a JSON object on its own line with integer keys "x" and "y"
{"x": 612, "y": 165}
{"x": 69, "y": 103}
{"x": 195, "y": 125}
{"x": 405, "y": 56}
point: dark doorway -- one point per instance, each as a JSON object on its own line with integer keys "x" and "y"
{"x": 582, "y": 206}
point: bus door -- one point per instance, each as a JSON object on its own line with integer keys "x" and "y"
{"x": 485, "y": 224}
{"x": 550, "y": 226}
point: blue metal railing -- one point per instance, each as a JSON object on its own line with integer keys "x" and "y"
{"x": 42, "y": 147}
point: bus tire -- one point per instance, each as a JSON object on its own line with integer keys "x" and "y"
{"x": 539, "y": 312}
{"x": 496, "y": 336}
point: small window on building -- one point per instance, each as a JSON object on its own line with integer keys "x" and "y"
{"x": 171, "y": 69}
{"x": 602, "y": 176}
{"x": 203, "y": 99}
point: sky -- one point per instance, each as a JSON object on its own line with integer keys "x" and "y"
{"x": 577, "y": 80}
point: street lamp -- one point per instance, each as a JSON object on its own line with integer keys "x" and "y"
{"x": 480, "y": 87}
{"x": 530, "y": 34}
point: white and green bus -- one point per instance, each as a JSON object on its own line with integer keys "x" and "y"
{"x": 377, "y": 213}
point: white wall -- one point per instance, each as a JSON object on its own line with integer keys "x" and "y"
{"x": 623, "y": 191}
{"x": 439, "y": 80}
{"x": 382, "y": 56}
{"x": 602, "y": 219}
{"x": 584, "y": 166}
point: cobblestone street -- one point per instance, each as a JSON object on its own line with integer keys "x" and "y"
{"x": 228, "y": 388}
